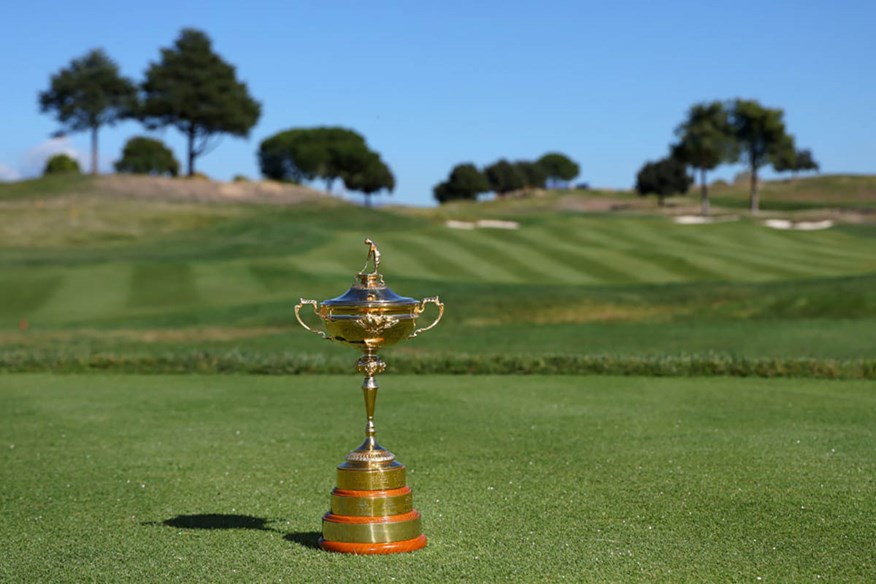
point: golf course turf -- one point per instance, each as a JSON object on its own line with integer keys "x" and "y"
{"x": 576, "y": 478}
{"x": 631, "y": 399}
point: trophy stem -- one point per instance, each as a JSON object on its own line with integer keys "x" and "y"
{"x": 370, "y": 452}
{"x": 369, "y": 389}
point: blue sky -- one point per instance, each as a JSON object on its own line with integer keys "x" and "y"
{"x": 433, "y": 84}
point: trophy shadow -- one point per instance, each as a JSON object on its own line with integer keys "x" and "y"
{"x": 307, "y": 539}
{"x": 216, "y": 521}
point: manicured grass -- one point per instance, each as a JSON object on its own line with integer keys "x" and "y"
{"x": 223, "y": 278}
{"x": 602, "y": 479}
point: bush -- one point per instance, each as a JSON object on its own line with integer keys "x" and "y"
{"x": 240, "y": 178}
{"x": 143, "y": 155}
{"x": 61, "y": 164}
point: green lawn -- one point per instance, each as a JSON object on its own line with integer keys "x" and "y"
{"x": 601, "y": 479}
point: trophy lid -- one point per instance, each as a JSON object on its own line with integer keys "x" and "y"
{"x": 369, "y": 290}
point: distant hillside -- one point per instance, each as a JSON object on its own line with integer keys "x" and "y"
{"x": 816, "y": 192}
{"x": 161, "y": 188}
{"x": 837, "y": 196}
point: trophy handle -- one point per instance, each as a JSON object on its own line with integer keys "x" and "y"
{"x": 422, "y": 307}
{"x": 314, "y": 304}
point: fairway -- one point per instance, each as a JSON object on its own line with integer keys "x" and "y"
{"x": 103, "y": 275}
{"x": 576, "y": 478}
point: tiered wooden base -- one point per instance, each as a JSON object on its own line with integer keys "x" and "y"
{"x": 372, "y": 512}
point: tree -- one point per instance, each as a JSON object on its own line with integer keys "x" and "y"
{"x": 88, "y": 94}
{"x": 705, "y": 140}
{"x": 805, "y": 161}
{"x": 464, "y": 182}
{"x": 311, "y": 153}
{"x": 143, "y": 155}
{"x": 558, "y": 167}
{"x": 364, "y": 171}
{"x": 326, "y": 153}
{"x": 663, "y": 178}
{"x": 760, "y": 134}
{"x": 192, "y": 89}
{"x": 504, "y": 177}
{"x": 61, "y": 164}
{"x": 793, "y": 160}
{"x": 534, "y": 176}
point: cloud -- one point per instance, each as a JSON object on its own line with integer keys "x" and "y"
{"x": 8, "y": 174}
{"x": 34, "y": 160}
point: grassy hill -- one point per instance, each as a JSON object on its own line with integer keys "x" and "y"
{"x": 96, "y": 266}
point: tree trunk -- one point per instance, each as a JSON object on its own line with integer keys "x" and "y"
{"x": 94, "y": 150}
{"x": 328, "y": 184}
{"x": 704, "y": 193}
{"x": 755, "y": 203}
{"x": 191, "y": 152}
{"x": 367, "y": 200}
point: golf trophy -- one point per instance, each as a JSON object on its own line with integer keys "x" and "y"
{"x": 371, "y": 507}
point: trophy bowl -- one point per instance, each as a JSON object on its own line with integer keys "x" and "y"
{"x": 372, "y": 507}
{"x": 369, "y": 315}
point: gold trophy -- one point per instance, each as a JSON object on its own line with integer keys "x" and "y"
{"x": 372, "y": 507}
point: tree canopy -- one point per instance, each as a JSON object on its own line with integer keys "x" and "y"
{"x": 793, "y": 160}
{"x": 325, "y": 153}
{"x": 61, "y": 164}
{"x": 143, "y": 155}
{"x": 504, "y": 177}
{"x": 465, "y": 182}
{"x": 534, "y": 176}
{"x": 87, "y": 94}
{"x": 558, "y": 167}
{"x": 194, "y": 90}
{"x": 663, "y": 178}
{"x": 365, "y": 172}
{"x": 705, "y": 140}
{"x": 760, "y": 134}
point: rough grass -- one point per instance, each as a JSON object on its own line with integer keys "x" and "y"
{"x": 810, "y": 192}
{"x": 261, "y": 363}
{"x": 601, "y": 479}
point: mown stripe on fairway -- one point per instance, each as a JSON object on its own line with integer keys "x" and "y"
{"x": 165, "y": 284}
{"x": 599, "y": 265}
{"x": 830, "y": 246}
{"x": 88, "y": 293}
{"x": 742, "y": 248}
{"x": 772, "y": 245}
{"x": 530, "y": 263}
{"x": 612, "y": 266}
{"x": 685, "y": 267}
{"x": 716, "y": 253}
{"x": 453, "y": 261}
{"x": 22, "y": 294}
{"x": 228, "y": 282}
{"x": 400, "y": 260}
{"x": 274, "y": 275}
{"x": 740, "y": 263}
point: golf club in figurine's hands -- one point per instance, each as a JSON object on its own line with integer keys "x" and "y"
{"x": 372, "y": 507}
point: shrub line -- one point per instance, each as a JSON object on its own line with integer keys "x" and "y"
{"x": 694, "y": 365}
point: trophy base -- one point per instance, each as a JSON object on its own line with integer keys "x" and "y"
{"x": 394, "y": 547}
{"x": 372, "y": 512}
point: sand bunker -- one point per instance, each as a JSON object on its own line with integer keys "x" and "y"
{"x": 482, "y": 224}
{"x": 799, "y": 225}
{"x": 700, "y": 220}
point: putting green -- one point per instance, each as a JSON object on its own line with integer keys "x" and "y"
{"x": 224, "y": 478}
